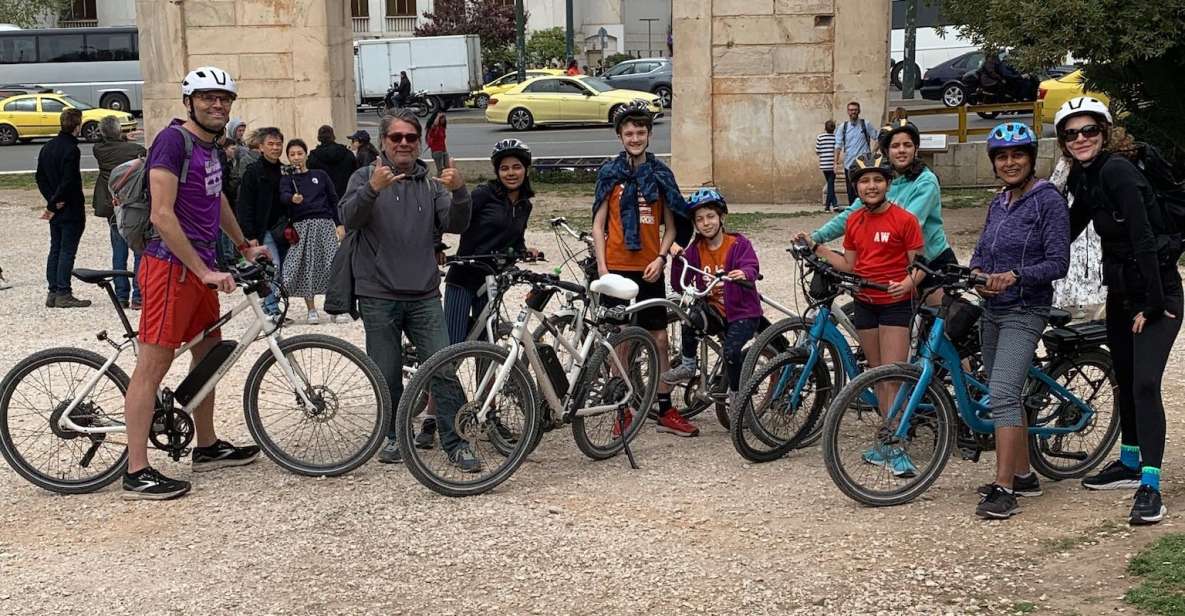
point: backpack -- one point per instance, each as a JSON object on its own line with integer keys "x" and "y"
{"x": 130, "y": 198}
{"x": 843, "y": 134}
{"x": 1170, "y": 192}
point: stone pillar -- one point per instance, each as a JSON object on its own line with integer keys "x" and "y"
{"x": 756, "y": 80}
{"x": 293, "y": 60}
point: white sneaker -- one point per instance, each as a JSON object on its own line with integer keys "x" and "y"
{"x": 342, "y": 318}
{"x": 314, "y": 318}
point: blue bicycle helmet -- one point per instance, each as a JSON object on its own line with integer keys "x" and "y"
{"x": 706, "y": 196}
{"x": 1011, "y": 135}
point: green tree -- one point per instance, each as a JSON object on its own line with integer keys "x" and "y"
{"x": 1132, "y": 51}
{"x": 544, "y": 45}
{"x": 25, "y": 13}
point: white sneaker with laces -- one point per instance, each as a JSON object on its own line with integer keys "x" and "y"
{"x": 342, "y": 318}
{"x": 314, "y": 318}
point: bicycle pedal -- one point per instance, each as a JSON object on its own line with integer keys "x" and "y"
{"x": 971, "y": 455}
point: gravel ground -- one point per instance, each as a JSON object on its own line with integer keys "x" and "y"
{"x": 695, "y": 531}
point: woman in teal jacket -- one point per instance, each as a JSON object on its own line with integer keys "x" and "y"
{"x": 914, "y": 188}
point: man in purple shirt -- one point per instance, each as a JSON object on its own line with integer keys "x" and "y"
{"x": 179, "y": 280}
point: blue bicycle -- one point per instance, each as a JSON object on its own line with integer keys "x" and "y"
{"x": 889, "y": 456}
{"x": 781, "y": 402}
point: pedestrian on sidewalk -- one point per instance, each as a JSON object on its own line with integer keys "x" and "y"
{"x": 333, "y": 158}
{"x": 437, "y": 133}
{"x": 112, "y": 151}
{"x": 856, "y": 136}
{"x": 825, "y": 150}
{"x": 59, "y": 178}
{"x": 311, "y": 201}
{"x": 364, "y": 151}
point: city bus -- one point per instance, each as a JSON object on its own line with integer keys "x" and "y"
{"x": 99, "y": 66}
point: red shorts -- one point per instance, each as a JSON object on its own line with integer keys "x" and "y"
{"x": 177, "y": 305}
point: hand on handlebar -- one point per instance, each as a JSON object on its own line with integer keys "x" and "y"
{"x": 901, "y": 287}
{"x": 256, "y": 252}
{"x": 221, "y": 281}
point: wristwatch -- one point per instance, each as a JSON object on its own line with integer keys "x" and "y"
{"x": 1016, "y": 274}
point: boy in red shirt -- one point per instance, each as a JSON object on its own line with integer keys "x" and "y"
{"x": 881, "y": 239}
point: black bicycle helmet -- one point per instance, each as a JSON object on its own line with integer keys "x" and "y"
{"x": 636, "y": 109}
{"x": 870, "y": 163}
{"x": 899, "y": 126}
{"x": 511, "y": 147}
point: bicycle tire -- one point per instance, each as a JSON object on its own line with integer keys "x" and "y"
{"x": 777, "y": 330}
{"x": 12, "y": 450}
{"x": 1040, "y": 447}
{"x": 847, "y": 399}
{"x": 583, "y": 428}
{"x": 746, "y": 419}
{"x": 268, "y": 436}
{"x": 414, "y": 398}
{"x": 723, "y": 410}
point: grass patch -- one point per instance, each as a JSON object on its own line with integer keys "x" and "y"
{"x": 1023, "y": 607}
{"x": 962, "y": 198}
{"x": 1090, "y": 535}
{"x": 27, "y": 181}
{"x": 1162, "y": 567}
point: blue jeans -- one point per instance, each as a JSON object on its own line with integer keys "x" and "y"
{"x": 831, "y": 200}
{"x": 64, "y": 236}
{"x": 385, "y": 322}
{"x": 736, "y": 335}
{"x": 119, "y": 261}
{"x": 278, "y": 251}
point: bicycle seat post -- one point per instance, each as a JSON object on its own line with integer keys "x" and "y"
{"x": 123, "y": 315}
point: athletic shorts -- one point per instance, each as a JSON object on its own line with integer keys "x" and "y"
{"x": 177, "y": 305}
{"x": 872, "y": 316}
{"x": 652, "y": 319}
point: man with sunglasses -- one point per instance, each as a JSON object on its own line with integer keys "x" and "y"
{"x": 179, "y": 280}
{"x": 399, "y": 212}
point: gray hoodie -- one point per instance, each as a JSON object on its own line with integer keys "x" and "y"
{"x": 396, "y": 250}
{"x": 231, "y": 127}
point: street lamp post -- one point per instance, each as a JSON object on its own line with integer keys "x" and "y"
{"x": 649, "y": 49}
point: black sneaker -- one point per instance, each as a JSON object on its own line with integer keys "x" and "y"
{"x": 997, "y": 505}
{"x": 1114, "y": 476}
{"x": 390, "y": 453}
{"x": 1147, "y": 508}
{"x": 427, "y": 436}
{"x": 221, "y": 455}
{"x": 464, "y": 459}
{"x": 149, "y": 484}
{"x": 1021, "y": 486}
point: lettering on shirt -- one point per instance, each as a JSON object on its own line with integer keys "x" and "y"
{"x": 881, "y": 237}
{"x": 213, "y": 178}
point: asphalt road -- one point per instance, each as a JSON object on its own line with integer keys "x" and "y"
{"x": 469, "y": 136}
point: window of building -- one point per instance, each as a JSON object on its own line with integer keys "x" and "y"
{"x": 79, "y": 10}
{"x": 401, "y": 8}
{"x": 359, "y": 8}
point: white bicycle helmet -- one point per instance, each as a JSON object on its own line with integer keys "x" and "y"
{"x": 1079, "y": 105}
{"x": 206, "y": 78}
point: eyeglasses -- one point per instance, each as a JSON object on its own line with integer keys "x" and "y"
{"x": 1089, "y": 131}
{"x": 210, "y": 98}
{"x": 404, "y": 137}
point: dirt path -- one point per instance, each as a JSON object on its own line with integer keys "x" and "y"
{"x": 695, "y": 531}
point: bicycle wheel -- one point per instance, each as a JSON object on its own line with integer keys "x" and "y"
{"x": 33, "y": 397}
{"x": 768, "y": 421}
{"x": 1091, "y": 377}
{"x": 598, "y": 436}
{"x": 865, "y": 458}
{"x": 723, "y": 411}
{"x": 780, "y": 337}
{"x": 500, "y": 444}
{"x": 349, "y": 416}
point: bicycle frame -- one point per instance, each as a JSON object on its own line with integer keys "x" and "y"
{"x": 823, "y": 329}
{"x": 939, "y": 351}
{"x": 250, "y": 301}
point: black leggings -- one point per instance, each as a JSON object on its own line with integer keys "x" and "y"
{"x": 1139, "y": 361}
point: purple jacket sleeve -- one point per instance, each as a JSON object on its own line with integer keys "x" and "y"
{"x": 744, "y": 258}
{"x": 1055, "y": 236}
{"x": 691, "y": 253}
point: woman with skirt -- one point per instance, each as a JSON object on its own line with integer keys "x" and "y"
{"x": 311, "y": 200}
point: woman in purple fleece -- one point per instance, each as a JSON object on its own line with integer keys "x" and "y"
{"x": 1025, "y": 246}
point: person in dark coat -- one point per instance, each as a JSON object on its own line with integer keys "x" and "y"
{"x": 364, "y": 151}
{"x": 333, "y": 158}
{"x": 112, "y": 151}
{"x": 258, "y": 206}
{"x": 59, "y": 178}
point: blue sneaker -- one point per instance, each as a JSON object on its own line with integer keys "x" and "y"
{"x": 901, "y": 465}
{"x": 874, "y": 456}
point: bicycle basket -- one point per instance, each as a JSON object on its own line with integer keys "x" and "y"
{"x": 821, "y": 286}
{"x": 961, "y": 317}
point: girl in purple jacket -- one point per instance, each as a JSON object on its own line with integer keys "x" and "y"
{"x": 1025, "y": 246}
{"x": 715, "y": 250}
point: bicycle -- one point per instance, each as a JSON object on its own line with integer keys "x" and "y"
{"x": 782, "y": 400}
{"x": 604, "y": 395}
{"x": 324, "y": 426}
{"x": 1069, "y": 433}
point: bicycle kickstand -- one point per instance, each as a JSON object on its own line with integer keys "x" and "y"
{"x": 625, "y": 444}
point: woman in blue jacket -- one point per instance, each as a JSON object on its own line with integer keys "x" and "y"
{"x": 311, "y": 201}
{"x": 1025, "y": 246}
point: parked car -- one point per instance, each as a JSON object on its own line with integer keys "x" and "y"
{"x": 1053, "y": 93}
{"x": 562, "y": 100}
{"x": 940, "y": 75}
{"x": 645, "y": 75}
{"x": 506, "y": 82}
{"x": 28, "y": 116}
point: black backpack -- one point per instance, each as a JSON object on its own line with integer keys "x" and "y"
{"x": 1169, "y": 189}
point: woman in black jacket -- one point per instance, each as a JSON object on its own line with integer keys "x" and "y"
{"x": 497, "y": 225}
{"x": 1144, "y": 295}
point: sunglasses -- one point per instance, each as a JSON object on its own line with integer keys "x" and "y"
{"x": 404, "y": 137}
{"x": 1089, "y": 131}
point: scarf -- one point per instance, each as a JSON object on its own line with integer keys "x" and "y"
{"x": 652, "y": 180}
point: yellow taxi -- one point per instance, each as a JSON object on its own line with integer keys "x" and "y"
{"x": 28, "y": 116}
{"x": 506, "y": 82}
{"x": 1053, "y": 93}
{"x": 562, "y": 100}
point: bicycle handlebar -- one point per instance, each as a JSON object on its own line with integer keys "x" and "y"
{"x": 561, "y": 224}
{"x": 718, "y": 277}
{"x": 803, "y": 252}
{"x": 953, "y": 277}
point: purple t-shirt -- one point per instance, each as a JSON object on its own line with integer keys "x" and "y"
{"x": 199, "y": 196}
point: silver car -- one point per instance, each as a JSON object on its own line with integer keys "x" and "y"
{"x": 645, "y": 74}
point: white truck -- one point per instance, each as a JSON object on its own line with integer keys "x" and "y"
{"x": 446, "y": 68}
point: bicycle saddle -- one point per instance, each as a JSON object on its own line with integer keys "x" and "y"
{"x": 97, "y": 276}
{"x": 615, "y": 286}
